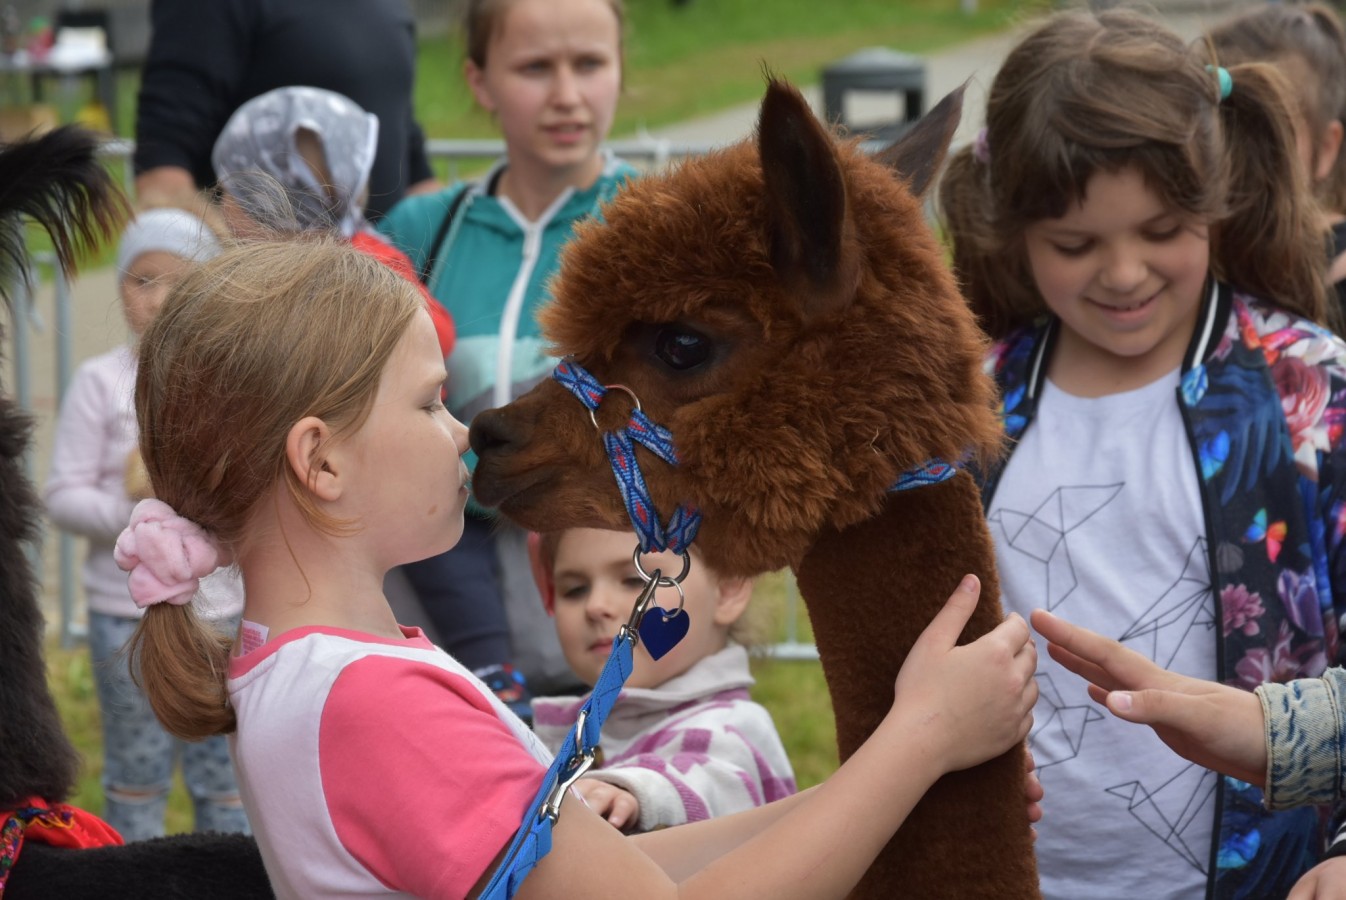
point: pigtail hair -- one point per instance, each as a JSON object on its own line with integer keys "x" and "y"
{"x": 1270, "y": 213}
{"x": 181, "y": 664}
{"x": 1333, "y": 76}
{"x": 993, "y": 278}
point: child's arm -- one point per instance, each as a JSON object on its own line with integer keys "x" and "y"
{"x": 1211, "y": 724}
{"x": 954, "y": 707}
{"x": 736, "y": 762}
{"x": 75, "y": 496}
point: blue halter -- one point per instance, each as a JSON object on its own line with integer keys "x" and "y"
{"x": 533, "y": 839}
{"x": 682, "y": 526}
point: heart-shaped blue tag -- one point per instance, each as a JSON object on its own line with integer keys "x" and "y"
{"x": 660, "y": 631}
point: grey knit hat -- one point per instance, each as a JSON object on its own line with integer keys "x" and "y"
{"x": 174, "y": 231}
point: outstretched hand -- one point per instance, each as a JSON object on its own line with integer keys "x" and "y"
{"x": 1325, "y": 881}
{"x": 1211, "y": 724}
{"x": 974, "y": 701}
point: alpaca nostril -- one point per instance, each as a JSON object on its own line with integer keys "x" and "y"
{"x": 490, "y": 430}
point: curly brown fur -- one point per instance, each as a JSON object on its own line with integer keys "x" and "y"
{"x": 838, "y": 354}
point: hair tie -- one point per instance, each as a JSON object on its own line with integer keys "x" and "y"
{"x": 166, "y": 555}
{"x": 981, "y": 148}
{"x": 1226, "y": 80}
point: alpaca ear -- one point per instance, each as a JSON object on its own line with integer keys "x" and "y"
{"x": 918, "y": 155}
{"x": 805, "y": 200}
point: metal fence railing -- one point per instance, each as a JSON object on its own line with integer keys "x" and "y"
{"x": 648, "y": 153}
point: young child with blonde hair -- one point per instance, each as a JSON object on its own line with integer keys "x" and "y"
{"x": 685, "y": 741}
{"x": 289, "y": 402}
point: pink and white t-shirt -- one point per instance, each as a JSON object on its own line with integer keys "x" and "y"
{"x": 373, "y": 767}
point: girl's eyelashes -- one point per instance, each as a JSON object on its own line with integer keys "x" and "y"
{"x": 1073, "y": 249}
{"x": 1160, "y": 235}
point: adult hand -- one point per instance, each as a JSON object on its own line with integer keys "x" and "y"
{"x": 1211, "y": 724}
{"x": 972, "y": 702}
{"x": 1325, "y": 881}
{"x": 618, "y": 805}
{"x": 165, "y": 186}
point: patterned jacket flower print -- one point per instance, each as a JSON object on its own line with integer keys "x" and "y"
{"x": 1263, "y": 398}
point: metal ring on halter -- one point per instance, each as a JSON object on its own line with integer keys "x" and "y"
{"x": 614, "y": 387}
{"x": 663, "y": 581}
{"x": 682, "y": 598}
{"x": 642, "y": 604}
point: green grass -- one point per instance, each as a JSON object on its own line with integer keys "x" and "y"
{"x": 688, "y": 61}
{"x": 683, "y": 62}
{"x": 70, "y": 674}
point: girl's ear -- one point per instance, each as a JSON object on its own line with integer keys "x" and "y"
{"x": 304, "y": 443}
{"x": 733, "y": 600}
{"x": 1329, "y": 148}
{"x": 476, "y": 80}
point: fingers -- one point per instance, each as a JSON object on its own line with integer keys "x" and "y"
{"x": 948, "y": 624}
{"x": 1326, "y": 881}
{"x": 618, "y": 806}
{"x": 1093, "y": 657}
{"x": 1148, "y": 707}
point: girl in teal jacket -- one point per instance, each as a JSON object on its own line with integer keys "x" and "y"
{"x": 549, "y": 72}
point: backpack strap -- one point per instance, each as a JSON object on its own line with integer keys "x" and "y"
{"x": 430, "y": 259}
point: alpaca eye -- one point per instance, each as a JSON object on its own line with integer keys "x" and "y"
{"x": 681, "y": 348}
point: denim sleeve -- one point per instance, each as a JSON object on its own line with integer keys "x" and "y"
{"x": 1306, "y": 740}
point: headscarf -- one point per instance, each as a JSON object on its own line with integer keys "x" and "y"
{"x": 166, "y": 230}
{"x": 257, "y": 147}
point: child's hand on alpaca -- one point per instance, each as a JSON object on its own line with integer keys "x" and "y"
{"x": 1325, "y": 881}
{"x": 1034, "y": 793}
{"x": 619, "y": 806}
{"x": 136, "y": 477}
{"x": 973, "y": 702}
{"x": 1214, "y": 725}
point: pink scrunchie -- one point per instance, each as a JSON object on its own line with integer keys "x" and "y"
{"x": 166, "y": 555}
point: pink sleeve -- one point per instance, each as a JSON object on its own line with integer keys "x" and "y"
{"x": 425, "y": 785}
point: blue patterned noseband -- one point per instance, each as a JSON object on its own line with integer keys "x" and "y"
{"x": 681, "y": 529}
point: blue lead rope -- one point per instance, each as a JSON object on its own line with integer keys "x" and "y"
{"x": 533, "y": 839}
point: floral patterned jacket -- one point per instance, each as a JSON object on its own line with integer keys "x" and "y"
{"x": 1263, "y": 397}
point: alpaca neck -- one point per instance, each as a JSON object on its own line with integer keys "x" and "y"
{"x": 872, "y": 588}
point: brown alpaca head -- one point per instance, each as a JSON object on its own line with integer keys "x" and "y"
{"x": 782, "y": 307}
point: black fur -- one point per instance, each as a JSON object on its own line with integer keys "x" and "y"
{"x": 36, "y": 757}
{"x": 58, "y": 181}
{"x": 181, "y": 867}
